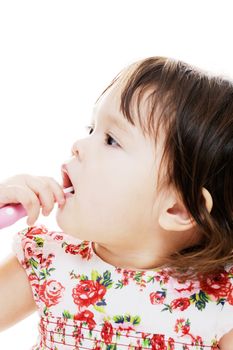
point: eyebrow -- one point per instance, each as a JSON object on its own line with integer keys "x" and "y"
{"x": 117, "y": 122}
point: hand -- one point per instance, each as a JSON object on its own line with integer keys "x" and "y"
{"x": 32, "y": 192}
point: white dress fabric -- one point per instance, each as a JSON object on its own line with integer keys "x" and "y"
{"x": 86, "y": 303}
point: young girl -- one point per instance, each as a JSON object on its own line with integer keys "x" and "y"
{"x": 144, "y": 256}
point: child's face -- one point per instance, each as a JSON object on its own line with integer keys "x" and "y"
{"x": 114, "y": 173}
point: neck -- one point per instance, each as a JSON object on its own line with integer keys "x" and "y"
{"x": 146, "y": 255}
{"x": 129, "y": 259}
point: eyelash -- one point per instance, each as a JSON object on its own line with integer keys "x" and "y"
{"x": 89, "y": 127}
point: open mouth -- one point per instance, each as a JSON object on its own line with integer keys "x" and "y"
{"x": 67, "y": 183}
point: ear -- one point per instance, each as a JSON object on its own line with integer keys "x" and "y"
{"x": 173, "y": 214}
{"x": 208, "y": 199}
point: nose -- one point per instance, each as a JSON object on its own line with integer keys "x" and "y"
{"x": 80, "y": 147}
{"x": 75, "y": 149}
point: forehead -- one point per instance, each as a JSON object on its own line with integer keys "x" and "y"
{"x": 109, "y": 108}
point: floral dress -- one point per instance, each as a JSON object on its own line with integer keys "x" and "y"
{"x": 86, "y": 303}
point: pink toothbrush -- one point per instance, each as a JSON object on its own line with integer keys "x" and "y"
{"x": 11, "y": 213}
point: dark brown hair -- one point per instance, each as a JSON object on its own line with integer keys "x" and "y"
{"x": 196, "y": 110}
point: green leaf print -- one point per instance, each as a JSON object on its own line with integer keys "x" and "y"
{"x": 107, "y": 282}
{"x": 118, "y": 319}
{"x": 46, "y": 272}
{"x": 95, "y": 275}
{"x": 99, "y": 308}
{"x": 83, "y": 278}
{"x": 221, "y": 301}
{"x": 73, "y": 275}
{"x": 51, "y": 269}
{"x": 46, "y": 311}
{"x": 199, "y": 299}
{"x": 203, "y": 296}
{"x": 33, "y": 263}
{"x": 200, "y": 305}
{"x": 111, "y": 347}
{"x": 167, "y": 308}
{"x": 39, "y": 241}
{"x": 136, "y": 320}
{"x": 107, "y": 275}
{"x": 43, "y": 275}
{"x": 146, "y": 342}
{"x": 119, "y": 284}
{"x": 64, "y": 244}
{"x": 66, "y": 314}
{"x": 138, "y": 276}
{"x": 102, "y": 302}
{"x": 127, "y": 318}
{"x": 150, "y": 279}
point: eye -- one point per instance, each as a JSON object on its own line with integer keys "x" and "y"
{"x": 108, "y": 139}
{"x": 89, "y": 128}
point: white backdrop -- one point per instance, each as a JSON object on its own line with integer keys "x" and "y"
{"x": 55, "y": 59}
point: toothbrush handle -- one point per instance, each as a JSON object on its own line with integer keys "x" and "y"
{"x": 11, "y": 213}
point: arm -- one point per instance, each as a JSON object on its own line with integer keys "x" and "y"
{"x": 16, "y": 299}
{"x": 33, "y": 192}
{"x": 226, "y": 342}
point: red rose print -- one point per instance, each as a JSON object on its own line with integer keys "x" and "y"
{"x": 158, "y": 342}
{"x": 171, "y": 344}
{"x": 180, "y": 303}
{"x": 34, "y": 281}
{"x": 30, "y": 249}
{"x": 107, "y": 332}
{"x": 97, "y": 345}
{"x": 78, "y": 335}
{"x": 185, "y": 329}
{"x": 56, "y": 236}
{"x": 35, "y": 230}
{"x": 157, "y": 297}
{"x": 50, "y": 292}
{"x": 125, "y": 281}
{"x": 218, "y": 285}
{"x": 46, "y": 262}
{"x": 82, "y": 249}
{"x": 163, "y": 276}
{"x": 182, "y": 325}
{"x": 72, "y": 249}
{"x": 88, "y": 292}
{"x": 230, "y": 296}
{"x": 86, "y": 316}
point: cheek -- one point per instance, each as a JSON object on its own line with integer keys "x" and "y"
{"x": 116, "y": 200}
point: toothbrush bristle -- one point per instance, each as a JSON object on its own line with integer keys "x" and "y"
{"x": 68, "y": 189}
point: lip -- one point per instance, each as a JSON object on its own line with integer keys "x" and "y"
{"x": 66, "y": 177}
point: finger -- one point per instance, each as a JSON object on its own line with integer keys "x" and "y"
{"x": 29, "y": 200}
{"x": 41, "y": 186}
{"x": 58, "y": 192}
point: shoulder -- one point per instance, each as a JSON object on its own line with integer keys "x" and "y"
{"x": 226, "y": 342}
{"x": 31, "y": 241}
{"x": 39, "y": 240}
{"x": 219, "y": 285}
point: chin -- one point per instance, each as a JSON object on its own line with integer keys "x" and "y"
{"x": 65, "y": 225}
{"x": 60, "y": 220}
